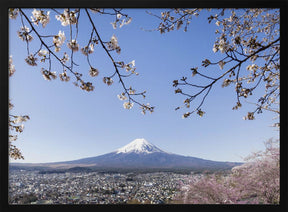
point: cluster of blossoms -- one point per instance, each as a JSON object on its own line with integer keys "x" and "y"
{"x": 200, "y": 112}
{"x": 238, "y": 105}
{"x": 221, "y": 45}
{"x": 131, "y": 91}
{"x": 221, "y": 64}
{"x": 249, "y": 116}
{"x": 13, "y": 13}
{"x": 64, "y": 77}
{"x": 88, "y": 49}
{"x": 24, "y": 34}
{"x": 108, "y": 80}
{"x": 146, "y": 107}
{"x": 67, "y": 17}
{"x": 129, "y": 67}
{"x": 31, "y": 60}
{"x": 73, "y": 45}
{"x": 40, "y": 16}
{"x": 86, "y": 86}
{"x": 128, "y": 105}
{"x": 48, "y": 75}
{"x": 124, "y": 21}
{"x": 178, "y": 90}
{"x": 43, "y": 53}
{"x": 65, "y": 58}
{"x": 122, "y": 96}
{"x": 13, "y": 124}
{"x": 245, "y": 92}
{"x": 226, "y": 82}
{"x": 93, "y": 72}
{"x": 186, "y": 115}
{"x": 58, "y": 40}
{"x": 181, "y": 18}
{"x": 255, "y": 182}
{"x": 19, "y": 129}
{"x": 11, "y": 67}
{"x": 187, "y": 103}
{"x": 113, "y": 44}
{"x": 20, "y": 119}
{"x": 14, "y": 152}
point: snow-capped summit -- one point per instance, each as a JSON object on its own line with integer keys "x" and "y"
{"x": 139, "y": 145}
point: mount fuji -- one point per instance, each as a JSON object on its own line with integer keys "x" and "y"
{"x": 141, "y": 154}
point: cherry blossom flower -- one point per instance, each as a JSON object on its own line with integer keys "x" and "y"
{"x": 73, "y": 45}
{"x": 88, "y": 49}
{"x": 131, "y": 91}
{"x": 222, "y": 45}
{"x": 65, "y": 58}
{"x": 250, "y": 116}
{"x": 42, "y": 52}
{"x": 24, "y": 34}
{"x": 31, "y": 60}
{"x": 122, "y": 96}
{"x": 11, "y": 67}
{"x": 114, "y": 25}
{"x": 64, "y": 77}
{"x": 67, "y": 17}
{"x": 114, "y": 41}
{"x": 200, "y": 112}
{"x": 130, "y": 66}
{"x": 124, "y": 21}
{"x": 93, "y": 72}
{"x": 108, "y": 80}
{"x": 113, "y": 44}
{"x": 87, "y": 86}
{"x": 226, "y": 83}
{"x": 186, "y": 115}
{"x": 39, "y": 16}
{"x": 21, "y": 119}
{"x": 58, "y": 40}
{"x": 119, "y": 15}
{"x": 13, "y": 13}
{"x": 48, "y": 75}
{"x": 146, "y": 107}
{"x": 221, "y": 64}
{"x": 128, "y": 105}
{"x": 215, "y": 49}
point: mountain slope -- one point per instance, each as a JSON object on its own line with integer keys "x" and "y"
{"x": 142, "y": 154}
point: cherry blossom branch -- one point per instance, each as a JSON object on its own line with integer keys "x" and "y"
{"x": 69, "y": 18}
{"x": 44, "y": 44}
{"x": 214, "y": 80}
{"x": 126, "y": 91}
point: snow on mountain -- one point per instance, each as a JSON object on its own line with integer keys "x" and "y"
{"x": 139, "y": 145}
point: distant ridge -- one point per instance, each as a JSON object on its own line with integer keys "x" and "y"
{"x": 140, "y": 154}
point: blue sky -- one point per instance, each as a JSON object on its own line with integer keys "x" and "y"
{"x": 68, "y": 123}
